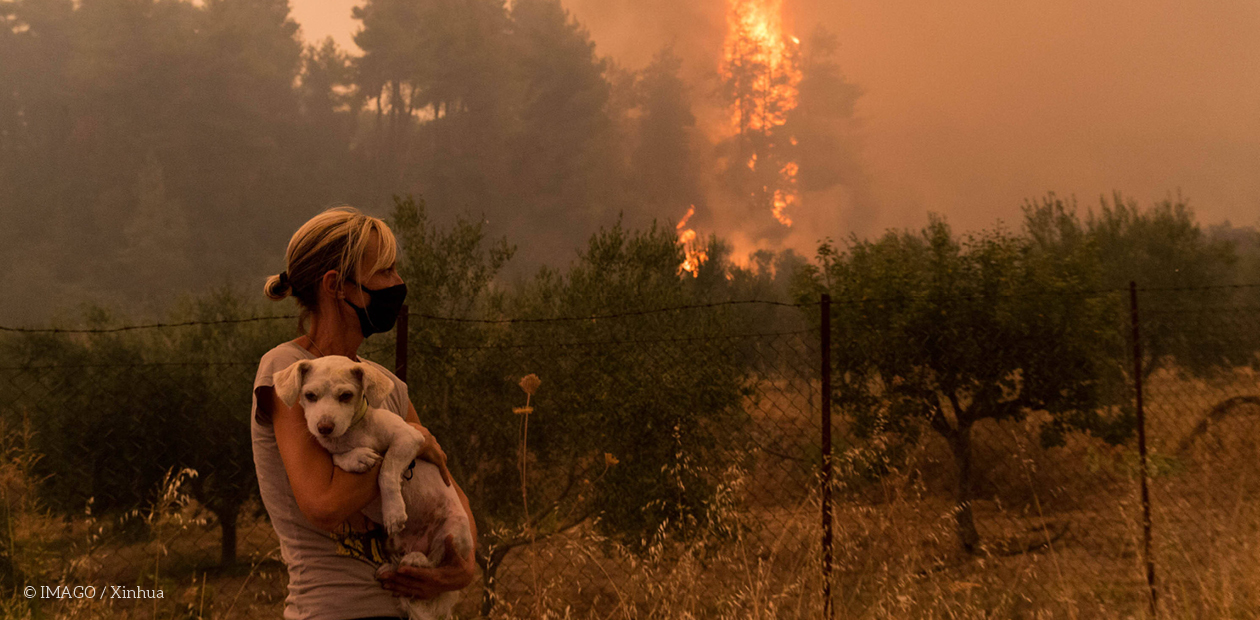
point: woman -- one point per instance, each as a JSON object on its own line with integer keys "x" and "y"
{"x": 340, "y": 269}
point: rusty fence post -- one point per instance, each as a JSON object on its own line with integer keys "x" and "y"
{"x": 825, "y": 336}
{"x": 400, "y": 345}
{"x": 1141, "y": 429}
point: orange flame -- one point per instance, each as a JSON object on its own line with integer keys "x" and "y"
{"x": 694, "y": 255}
{"x": 761, "y": 68}
{"x": 757, "y": 46}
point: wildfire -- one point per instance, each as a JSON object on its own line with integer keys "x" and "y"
{"x": 762, "y": 63}
{"x": 761, "y": 71}
{"x": 786, "y": 196}
{"x": 694, "y": 255}
{"x": 761, "y": 76}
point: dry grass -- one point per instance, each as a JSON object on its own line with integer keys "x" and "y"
{"x": 896, "y": 556}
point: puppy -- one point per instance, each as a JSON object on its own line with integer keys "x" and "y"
{"x": 341, "y": 400}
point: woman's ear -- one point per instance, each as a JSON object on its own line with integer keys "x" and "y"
{"x": 376, "y": 386}
{"x": 288, "y": 382}
{"x": 329, "y": 284}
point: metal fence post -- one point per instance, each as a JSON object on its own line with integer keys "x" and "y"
{"x": 400, "y": 345}
{"x": 825, "y": 335}
{"x": 1141, "y": 429}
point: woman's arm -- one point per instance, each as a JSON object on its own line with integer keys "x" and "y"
{"x": 325, "y": 493}
{"x": 455, "y": 573}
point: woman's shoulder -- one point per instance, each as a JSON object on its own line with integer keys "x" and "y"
{"x": 277, "y": 359}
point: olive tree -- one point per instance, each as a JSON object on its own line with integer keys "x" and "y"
{"x": 934, "y": 329}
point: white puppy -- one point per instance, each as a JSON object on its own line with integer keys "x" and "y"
{"x": 341, "y": 400}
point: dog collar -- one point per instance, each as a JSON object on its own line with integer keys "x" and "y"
{"x": 360, "y": 410}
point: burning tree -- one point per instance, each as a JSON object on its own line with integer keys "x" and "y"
{"x": 760, "y": 78}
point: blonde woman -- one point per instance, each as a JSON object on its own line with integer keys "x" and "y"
{"x": 340, "y": 269}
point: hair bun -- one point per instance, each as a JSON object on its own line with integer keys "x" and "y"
{"x": 278, "y": 287}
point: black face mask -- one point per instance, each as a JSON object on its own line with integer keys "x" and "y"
{"x": 382, "y": 308}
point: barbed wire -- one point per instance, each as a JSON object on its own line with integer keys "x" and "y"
{"x": 835, "y": 301}
{"x": 587, "y": 343}
{"x": 611, "y": 316}
{"x": 131, "y": 365}
{"x": 125, "y": 328}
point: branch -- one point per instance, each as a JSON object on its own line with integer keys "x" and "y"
{"x": 1215, "y": 415}
{"x": 512, "y": 543}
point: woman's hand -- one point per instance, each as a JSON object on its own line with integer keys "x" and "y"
{"x": 454, "y": 573}
{"x": 430, "y": 451}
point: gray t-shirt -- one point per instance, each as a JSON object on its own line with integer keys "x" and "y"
{"x": 332, "y": 576}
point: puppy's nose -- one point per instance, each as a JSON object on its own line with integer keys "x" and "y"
{"x": 325, "y": 428}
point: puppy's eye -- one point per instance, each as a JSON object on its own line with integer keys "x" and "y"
{"x": 345, "y": 397}
{"x": 310, "y": 396}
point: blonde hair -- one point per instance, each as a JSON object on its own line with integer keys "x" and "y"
{"x": 335, "y": 240}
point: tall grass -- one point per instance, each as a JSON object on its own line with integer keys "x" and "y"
{"x": 1061, "y": 529}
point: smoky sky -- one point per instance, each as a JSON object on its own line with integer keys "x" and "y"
{"x": 971, "y": 107}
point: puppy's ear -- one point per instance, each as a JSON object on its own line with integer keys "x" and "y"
{"x": 376, "y": 386}
{"x": 288, "y": 382}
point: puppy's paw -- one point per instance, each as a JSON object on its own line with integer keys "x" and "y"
{"x": 417, "y": 559}
{"x": 387, "y": 567}
{"x": 394, "y": 516}
{"x": 357, "y": 461}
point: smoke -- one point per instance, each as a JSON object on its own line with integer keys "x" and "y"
{"x": 632, "y": 31}
{"x": 971, "y": 107}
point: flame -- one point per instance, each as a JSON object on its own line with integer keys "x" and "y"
{"x": 786, "y": 195}
{"x": 694, "y": 256}
{"x": 756, "y": 44}
{"x": 761, "y": 68}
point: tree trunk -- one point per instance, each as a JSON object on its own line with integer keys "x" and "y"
{"x": 960, "y": 443}
{"x": 488, "y": 571}
{"x": 227, "y": 524}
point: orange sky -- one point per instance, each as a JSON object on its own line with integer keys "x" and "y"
{"x": 971, "y": 107}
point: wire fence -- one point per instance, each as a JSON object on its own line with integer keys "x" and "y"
{"x": 671, "y": 461}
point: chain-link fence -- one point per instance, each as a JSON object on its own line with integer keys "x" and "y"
{"x": 669, "y": 463}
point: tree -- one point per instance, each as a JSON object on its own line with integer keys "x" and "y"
{"x": 656, "y": 409}
{"x": 1179, "y": 268}
{"x": 438, "y": 72}
{"x": 155, "y": 401}
{"x": 930, "y": 328}
{"x": 105, "y": 88}
{"x": 663, "y": 170}
{"x": 212, "y": 436}
{"x": 329, "y": 112}
{"x": 821, "y": 126}
{"x": 156, "y": 237}
{"x": 561, "y": 146}
{"x": 760, "y": 80}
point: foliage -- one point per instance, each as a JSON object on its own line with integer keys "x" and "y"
{"x": 667, "y": 458}
{"x": 1176, "y": 265}
{"x": 134, "y": 125}
{"x": 112, "y": 413}
{"x": 946, "y": 331}
{"x": 663, "y": 167}
{"x": 822, "y": 125}
{"x": 1178, "y": 268}
{"x": 495, "y": 109}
